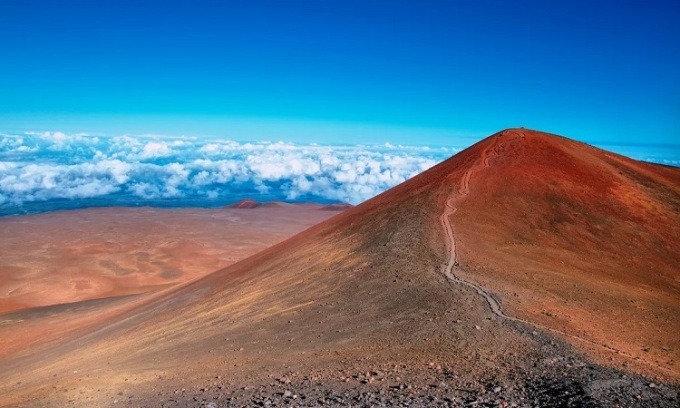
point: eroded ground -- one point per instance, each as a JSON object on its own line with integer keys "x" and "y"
{"x": 72, "y": 256}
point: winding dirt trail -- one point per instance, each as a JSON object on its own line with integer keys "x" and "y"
{"x": 452, "y": 263}
{"x": 494, "y": 305}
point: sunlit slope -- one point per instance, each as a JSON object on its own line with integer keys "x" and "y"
{"x": 578, "y": 239}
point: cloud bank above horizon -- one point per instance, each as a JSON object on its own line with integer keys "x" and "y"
{"x": 45, "y": 171}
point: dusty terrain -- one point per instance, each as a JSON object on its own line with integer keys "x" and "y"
{"x": 72, "y": 256}
{"x": 387, "y": 303}
{"x": 578, "y": 240}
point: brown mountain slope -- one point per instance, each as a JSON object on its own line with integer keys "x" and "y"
{"x": 577, "y": 239}
{"x": 363, "y": 291}
{"x": 365, "y": 285}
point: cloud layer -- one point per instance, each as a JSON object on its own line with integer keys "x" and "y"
{"x": 53, "y": 170}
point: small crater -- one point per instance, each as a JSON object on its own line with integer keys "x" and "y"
{"x": 115, "y": 268}
{"x": 143, "y": 256}
{"x": 171, "y": 273}
{"x": 82, "y": 285}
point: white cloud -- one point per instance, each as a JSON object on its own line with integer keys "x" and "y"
{"x": 144, "y": 190}
{"x": 153, "y": 150}
{"x": 41, "y": 167}
{"x": 58, "y": 137}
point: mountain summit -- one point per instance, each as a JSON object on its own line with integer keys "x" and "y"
{"x": 576, "y": 239}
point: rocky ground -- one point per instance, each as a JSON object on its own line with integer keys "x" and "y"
{"x": 553, "y": 377}
{"x": 540, "y": 392}
{"x": 582, "y": 386}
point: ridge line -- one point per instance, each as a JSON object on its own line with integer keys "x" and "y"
{"x": 495, "y": 306}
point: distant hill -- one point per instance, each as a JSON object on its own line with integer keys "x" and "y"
{"x": 250, "y": 204}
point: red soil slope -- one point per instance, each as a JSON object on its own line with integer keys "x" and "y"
{"x": 541, "y": 223}
{"x": 73, "y": 256}
{"x": 246, "y": 204}
{"x": 577, "y": 239}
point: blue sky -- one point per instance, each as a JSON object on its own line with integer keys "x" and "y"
{"x": 419, "y": 72}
